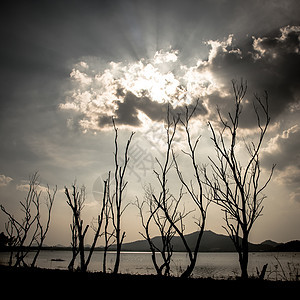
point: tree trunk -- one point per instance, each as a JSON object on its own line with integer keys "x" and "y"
{"x": 71, "y": 264}
{"x": 117, "y": 262}
{"x": 119, "y": 245}
{"x": 244, "y": 266}
{"x": 243, "y": 256}
{"x": 81, "y": 253}
{"x": 187, "y": 273}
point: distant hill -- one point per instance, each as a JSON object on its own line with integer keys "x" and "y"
{"x": 292, "y": 246}
{"x": 211, "y": 242}
{"x": 270, "y": 243}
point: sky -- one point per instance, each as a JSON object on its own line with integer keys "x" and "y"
{"x": 68, "y": 67}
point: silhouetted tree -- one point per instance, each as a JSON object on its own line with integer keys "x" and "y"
{"x": 23, "y": 233}
{"x": 42, "y": 231}
{"x": 74, "y": 244}
{"x": 111, "y": 212}
{"x": 235, "y": 187}
{"x": 76, "y": 202}
{"x": 106, "y": 216}
{"x": 169, "y": 203}
{"x": 194, "y": 189}
{"x": 107, "y": 233}
{"x": 117, "y": 204}
{"x": 164, "y": 205}
{"x": 150, "y": 213}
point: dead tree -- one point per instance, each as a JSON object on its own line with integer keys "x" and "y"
{"x": 194, "y": 190}
{"x": 117, "y": 199}
{"x": 29, "y": 229}
{"x": 154, "y": 215}
{"x": 163, "y": 205}
{"x": 107, "y": 234}
{"x": 168, "y": 203}
{"x": 235, "y": 187}
{"x": 111, "y": 212}
{"x": 74, "y": 244}
{"x": 76, "y": 202}
{"x": 42, "y": 231}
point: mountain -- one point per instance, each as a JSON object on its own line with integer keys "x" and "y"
{"x": 270, "y": 243}
{"x": 210, "y": 242}
{"x": 292, "y": 246}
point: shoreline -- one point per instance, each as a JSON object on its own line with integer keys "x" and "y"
{"x": 67, "y": 282}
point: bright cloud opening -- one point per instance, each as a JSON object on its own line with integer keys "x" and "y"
{"x": 98, "y": 94}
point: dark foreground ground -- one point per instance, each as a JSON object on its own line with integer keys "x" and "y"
{"x": 39, "y": 283}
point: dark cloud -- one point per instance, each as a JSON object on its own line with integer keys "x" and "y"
{"x": 283, "y": 150}
{"x": 128, "y": 109}
{"x": 268, "y": 63}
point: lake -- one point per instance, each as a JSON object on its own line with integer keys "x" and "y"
{"x": 281, "y": 266}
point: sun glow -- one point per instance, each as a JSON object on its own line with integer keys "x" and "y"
{"x": 100, "y": 93}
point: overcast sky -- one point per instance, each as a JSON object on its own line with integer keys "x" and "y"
{"x": 67, "y": 67}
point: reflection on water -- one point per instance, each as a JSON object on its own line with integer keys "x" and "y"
{"x": 212, "y": 264}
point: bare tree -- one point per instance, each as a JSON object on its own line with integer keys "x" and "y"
{"x": 74, "y": 244}
{"x": 42, "y": 231}
{"x": 106, "y": 218}
{"x": 25, "y": 232}
{"x": 164, "y": 205}
{"x": 107, "y": 234}
{"x": 153, "y": 214}
{"x": 194, "y": 189}
{"x": 117, "y": 204}
{"x": 168, "y": 203}
{"x": 76, "y": 202}
{"x": 234, "y": 187}
{"x": 110, "y": 213}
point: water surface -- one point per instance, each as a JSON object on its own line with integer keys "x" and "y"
{"x": 281, "y": 266}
